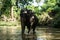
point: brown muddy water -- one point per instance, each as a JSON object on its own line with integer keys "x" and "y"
{"x": 14, "y": 33}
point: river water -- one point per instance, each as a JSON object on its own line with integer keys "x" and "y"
{"x": 14, "y": 33}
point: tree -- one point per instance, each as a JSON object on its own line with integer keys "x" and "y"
{"x": 23, "y": 2}
{"x": 6, "y": 4}
{"x": 7, "y": 8}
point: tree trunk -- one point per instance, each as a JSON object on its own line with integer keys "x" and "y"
{"x": 12, "y": 16}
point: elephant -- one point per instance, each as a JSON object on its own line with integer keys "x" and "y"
{"x": 29, "y": 19}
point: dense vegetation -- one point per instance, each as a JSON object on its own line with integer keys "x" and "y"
{"x": 48, "y": 13}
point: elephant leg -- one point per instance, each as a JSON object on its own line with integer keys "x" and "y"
{"x": 34, "y": 29}
{"x": 23, "y": 29}
{"x": 28, "y": 27}
{"x": 22, "y": 25}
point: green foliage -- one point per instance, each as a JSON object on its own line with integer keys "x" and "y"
{"x": 40, "y": 11}
{"x": 38, "y": 1}
{"x": 5, "y": 7}
{"x": 56, "y": 21}
{"x": 16, "y": 12}
{"x": 23, "y": 2}
{"x": 13, "y": 2}
{"x": 49, "y": 5}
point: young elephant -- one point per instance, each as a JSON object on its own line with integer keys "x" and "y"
{"x": 28, "y": 19}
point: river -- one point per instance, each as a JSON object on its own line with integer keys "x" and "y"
{"x": 14, "y": 33}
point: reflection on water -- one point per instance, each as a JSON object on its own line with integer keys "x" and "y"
{"x": 14, "y": 33}
{"x": 29, "y": 37}
{"x": 43, "y": 34}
